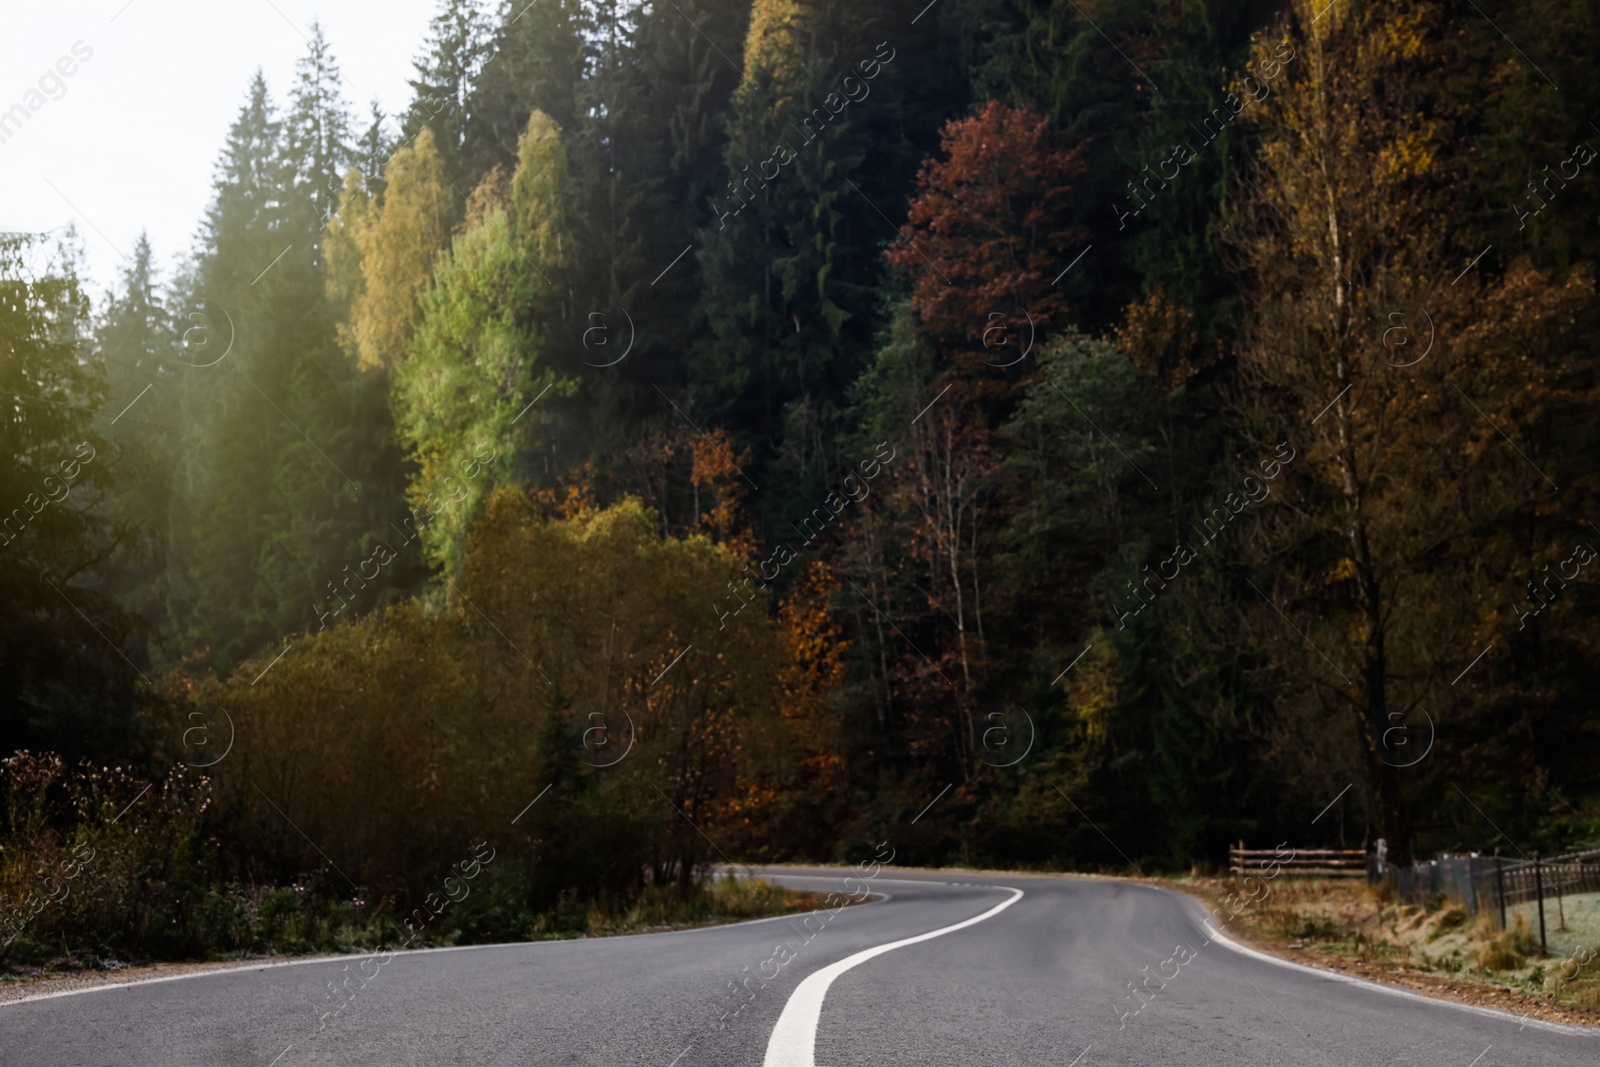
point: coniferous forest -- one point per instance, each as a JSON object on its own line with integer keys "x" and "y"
{"x": 714, "y": 430}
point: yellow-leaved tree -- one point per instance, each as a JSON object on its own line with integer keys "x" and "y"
{"x": 381, "y": 253}
{"x": 1388, "y": 374}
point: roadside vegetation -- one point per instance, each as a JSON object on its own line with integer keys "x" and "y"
{"x": 1364, "y": 930}
{"x": 83, "y": 889}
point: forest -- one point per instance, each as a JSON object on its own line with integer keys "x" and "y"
{"x": 1134, "y": 426}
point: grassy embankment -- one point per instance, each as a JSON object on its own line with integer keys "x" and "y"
{"x": 1436, "y": 947}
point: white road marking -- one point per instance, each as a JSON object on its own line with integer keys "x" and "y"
{"x": 1335, "y": 976}
{"x": 794, "y": 1039}
{"x": 577, "y": 942}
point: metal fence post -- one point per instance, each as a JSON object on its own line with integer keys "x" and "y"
{"x": 1500, "y": 885}
{"x": 1538, "y": 883}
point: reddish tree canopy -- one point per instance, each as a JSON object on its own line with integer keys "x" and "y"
{"x": 988, "y": 226}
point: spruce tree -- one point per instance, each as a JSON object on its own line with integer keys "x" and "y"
{"x": 791, "y": 253}
{"x": 538, "y": 53}
{"x": 456, "y": 47}
{"x": 136, "y": 338}
{"x": 318, "y": 139}
{"x": 229, "y": 435}
{"x": 288, "y": 471}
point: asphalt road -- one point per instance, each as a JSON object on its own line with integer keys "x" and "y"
{"x": 1018, "y": 970}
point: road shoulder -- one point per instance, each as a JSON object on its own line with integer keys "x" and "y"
{"x": 1483, "y": 993}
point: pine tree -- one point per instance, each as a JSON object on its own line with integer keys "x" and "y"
{"x": 136, "y": 339}
{"x": 229, "y": 435}
{"x": 453, "y": 54}
{"x": 289, "y": 471}
{"x": 538, "y": 54}
{"x": 317, "y": 130}
{"x": 373, "y": 151}
{"x": 1130, "y": 104}
{"x": 791, "y": 256}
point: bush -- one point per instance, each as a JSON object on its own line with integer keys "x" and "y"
{"x": 97, "y": 857}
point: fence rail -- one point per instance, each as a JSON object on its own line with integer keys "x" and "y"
{"x": 1301, "y": 862}
{"x": 1528, "y": 881}
{"x": 1482, "y": 884}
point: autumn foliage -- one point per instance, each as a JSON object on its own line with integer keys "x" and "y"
{"x": 988, "y": 229}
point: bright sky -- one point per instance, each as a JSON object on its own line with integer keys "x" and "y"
{"x": 128, "y": 141}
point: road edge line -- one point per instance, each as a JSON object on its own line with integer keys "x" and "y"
{"x": 1397, "y": 991}
{"x": 266, "y": 964}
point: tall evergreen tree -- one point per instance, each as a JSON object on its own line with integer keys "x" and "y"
{"x": 289, "y": 470}
{"x": 792, "y": 253}
{"x": 373, "y": 151}
{"x": 228, "y": 438}
{"x": 67, "y": 664}
{"x": 537, "y": 56}
{"x": 647, "y": 148}
{"x": 136, "y": 339}
{"x": 319, "y": 143}
{"x": 457, "y": 44}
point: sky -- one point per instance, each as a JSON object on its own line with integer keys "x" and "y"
{"x": 129, "y": 140}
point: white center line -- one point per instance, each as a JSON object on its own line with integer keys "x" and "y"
{"x": 794, "y": 1039}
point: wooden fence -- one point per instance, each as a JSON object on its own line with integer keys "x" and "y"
{"x": 1483, "y": 884}
{"x": 1302, "y": 862}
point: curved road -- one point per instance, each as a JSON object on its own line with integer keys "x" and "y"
{"x": 958, "y": 970}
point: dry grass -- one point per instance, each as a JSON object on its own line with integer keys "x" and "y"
{"x": 723, "y": 899}
{"x": 1355, "y": 922}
